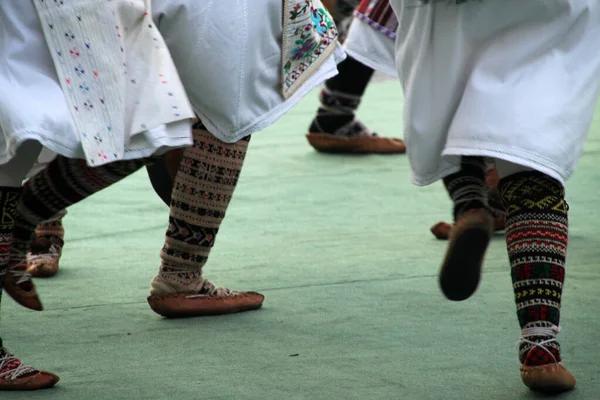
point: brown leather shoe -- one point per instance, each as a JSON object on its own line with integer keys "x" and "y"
{"x": 19, "y": 286}
{"x": 183, "y": 305}
{"x": 441, "y": 230}
{"x": 168, "y": 299}
{"x": 461, "y": 268}
{"x": 328, "y": 143}
{"x": 550, "y": 378}
{"x": 15, "y": 375}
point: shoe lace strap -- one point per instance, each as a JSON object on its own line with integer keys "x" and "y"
{"x": 7, "y": 371}
{"x": 53, "y": 253}
{"x": 536, "y": 331}
{"x": 210, "y": 289}
{"x": 34, "y": 258}
{"x": 354, "y": 128}
{"x": 18, "y": 267}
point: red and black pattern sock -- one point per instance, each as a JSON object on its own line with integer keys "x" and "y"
{"x": 467, "y": 187}
{"x": 9, "y": 200}
{"x": 341, "y": 96}
{"x": 63, "y": 183}
{"x": 536, "y": 239}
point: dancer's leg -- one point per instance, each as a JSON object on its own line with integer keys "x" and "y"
{"x": 14, "y": 375}
{"x": 474, "y": 225}
{"x": 63, "y": 183}
{"x": 204, "y": 185}
{"x": 537, "y": 235}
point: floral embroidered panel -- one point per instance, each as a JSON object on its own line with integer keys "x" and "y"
{"x": 310, "y": 36}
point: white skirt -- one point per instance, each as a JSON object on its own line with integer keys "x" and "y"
{"x": 232, "y": 55}
{"x": 371, "y": 48}
{"x": 371, "y": 42}
{"x": 235, "y": 79}
{"x": 38, "y": 105}
{"x": 512, "y": 80}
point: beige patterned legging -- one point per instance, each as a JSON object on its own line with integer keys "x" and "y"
{"x": 204, "y": 184}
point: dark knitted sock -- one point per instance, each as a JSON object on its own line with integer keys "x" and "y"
{"x": 536, "y": 239}
{"x": 467, "y": 187}
{"x": 63, "y": 183}
{"x": 341, "y": 96}
{"x": 9, "y": 200}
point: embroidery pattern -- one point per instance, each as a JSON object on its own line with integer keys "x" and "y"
{"x": 111, "y": 71}
{"x": 310, "y": 34}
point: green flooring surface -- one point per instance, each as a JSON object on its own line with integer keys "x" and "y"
{"x": 340, "y": 246}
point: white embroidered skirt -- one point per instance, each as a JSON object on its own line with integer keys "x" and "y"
{"x": 371, "y": 36}
{"x": 513, "y": 80}
{"x": 232, "y": 57}
{"x": 233, "y": 63}
{"x": 36, "y": 106}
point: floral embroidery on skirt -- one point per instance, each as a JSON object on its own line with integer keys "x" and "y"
{"x": 310, "y": 36}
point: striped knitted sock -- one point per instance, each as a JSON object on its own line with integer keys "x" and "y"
{"x": 467, "y": 187}
{"x": 536, "y": 238}
{"x": 63, "y": 183}
{"x": 51, "y": 231}
{"x": 341, "y": 97}
{"x": 207, "y": 177}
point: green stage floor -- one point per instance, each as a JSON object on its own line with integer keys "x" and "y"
{"x": 340, "y": 246}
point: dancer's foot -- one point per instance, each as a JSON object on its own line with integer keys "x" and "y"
{"x": 542, "y": 369}
{"x": 442, "y": 230}
{"x": 550, "y": 378}
{"x": 46, "y": 250}
{"x": 335, "y": 128}
{"x": 15, "y": 375}
{"x": 175, "y": 297}
{"x": 353, "y": 137}
{"x": 461, "y": 268}
{"x": 19, "y": 286}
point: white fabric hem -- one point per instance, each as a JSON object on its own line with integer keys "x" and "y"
{"x": 491, "y": 151}
{"x": 372, "y": 63}
{"x": 371, "y": 48}
{"x": 513, "y": 155}
{"x": 157, "y": 145}
{"x": 328, "y": 70}
{"x": 420, "y": 180}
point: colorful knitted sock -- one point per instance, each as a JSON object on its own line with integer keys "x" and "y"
{"x": 9, "y": 200}
{"x": 467, "y": 187}
{"x": 341, "y": 96}
{"x": 63, "y": 183}
{"x": 536, "y": 239}
{"x": 207, "y": 177}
